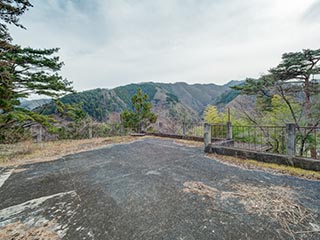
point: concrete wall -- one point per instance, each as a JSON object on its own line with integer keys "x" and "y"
{"x": 304, "y": 163}
{"x": 176, "y": 136}
{"x": 218, "y": 141}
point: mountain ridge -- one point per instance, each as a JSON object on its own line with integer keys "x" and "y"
{"x": 171, "y": 101}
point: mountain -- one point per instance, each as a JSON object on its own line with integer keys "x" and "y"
{"x": 196, "y": 96}
{"x": 32, "y": 104}
{"x": 229, "y": 96}
{"x": 173, "y": 102}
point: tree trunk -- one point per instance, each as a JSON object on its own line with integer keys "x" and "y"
{"x": 302, "y": 147}
{"x": 313, "y": 149}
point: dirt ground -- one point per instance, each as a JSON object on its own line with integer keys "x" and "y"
{"x": 153, "y": 189}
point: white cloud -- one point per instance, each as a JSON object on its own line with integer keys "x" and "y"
{"x": 115, "y": 42}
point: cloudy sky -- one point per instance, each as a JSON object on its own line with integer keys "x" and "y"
{"x": 107, "y": 43}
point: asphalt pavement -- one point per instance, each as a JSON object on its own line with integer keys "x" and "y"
{"x": 138, "y": 191}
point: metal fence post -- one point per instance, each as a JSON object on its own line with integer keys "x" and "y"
{"x": 291, "y": 139}
{"x": 207, "y": 134}
{"x": 229, "y": 130}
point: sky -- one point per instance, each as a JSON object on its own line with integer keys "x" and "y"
{"x": 108, "y": 43}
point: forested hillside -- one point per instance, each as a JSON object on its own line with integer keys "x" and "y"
{"x": 173, "y": 101}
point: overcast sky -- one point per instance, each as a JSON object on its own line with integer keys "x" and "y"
{"x": 107, "y": 43}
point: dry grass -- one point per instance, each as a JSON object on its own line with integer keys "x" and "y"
{"x": 29, "y": 152}
{"x": 270, "y": 167}
{"x": 189, "y": 143}
{"x": 276, "y": 202}
{"x": 181, "y": 142}
{"x": 201, "y": 189}
{"x": 20, "y": 231}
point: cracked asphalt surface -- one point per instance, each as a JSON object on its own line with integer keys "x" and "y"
{"x": 135, "y": 191}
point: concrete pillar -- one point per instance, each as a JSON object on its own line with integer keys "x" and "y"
{"x": 183, "y": 129}
{"x": 90, "y": 131}
{"x": 229, "y": 130}
{"x": 122, "y": 129}
{"x": 39, "y": 136}
{"x": 291, "y": 139}
{"x": 207, "y": 134}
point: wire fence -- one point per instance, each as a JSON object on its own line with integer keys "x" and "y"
{"x": 82, "y": 130}
{"x": 190, "y": 130}
{"x": 308, "y": 142}
{"x": 260, "y": 138}
{"x": 272, "y": 139}
{"x": 218, "y": 131}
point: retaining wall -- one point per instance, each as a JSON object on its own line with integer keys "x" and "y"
{"x": 304, "y": 163}
{"x": 176, "y": 136}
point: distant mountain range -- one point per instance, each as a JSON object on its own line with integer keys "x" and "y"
{"x": 173, "y": 102}
{"x": 32, "y": 104}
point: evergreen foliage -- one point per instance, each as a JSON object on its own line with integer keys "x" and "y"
{"x": 295, "y": 81}
{"x": 24, "y": 71}
{"x": 289, "y": 93}
{"x": 141, "y": 116}
{"x": 226, "y": 97}
{"x": 124, "y": 92}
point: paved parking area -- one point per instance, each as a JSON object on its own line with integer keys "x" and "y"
{"x": 151, "y": 189}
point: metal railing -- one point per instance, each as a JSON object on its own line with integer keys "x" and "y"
{"x": 191, "y": 130}
{"x": 260, "y": 138}
{"x": 289, "y": 140}
{"x": 218, "y": 131}
{"x": 75, "y": 131}
{"x": 308, "y": 142}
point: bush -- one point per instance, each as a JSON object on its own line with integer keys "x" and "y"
{"x": 14, "y": 134}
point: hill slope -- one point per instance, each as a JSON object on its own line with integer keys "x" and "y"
{"x": 172, "y": 102}
{"x": 32, "y": 104}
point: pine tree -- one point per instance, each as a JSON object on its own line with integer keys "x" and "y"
{"x": 141, "y": 116}
{"x": 24, "y": 71}
{"x": 295, "y": 81}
